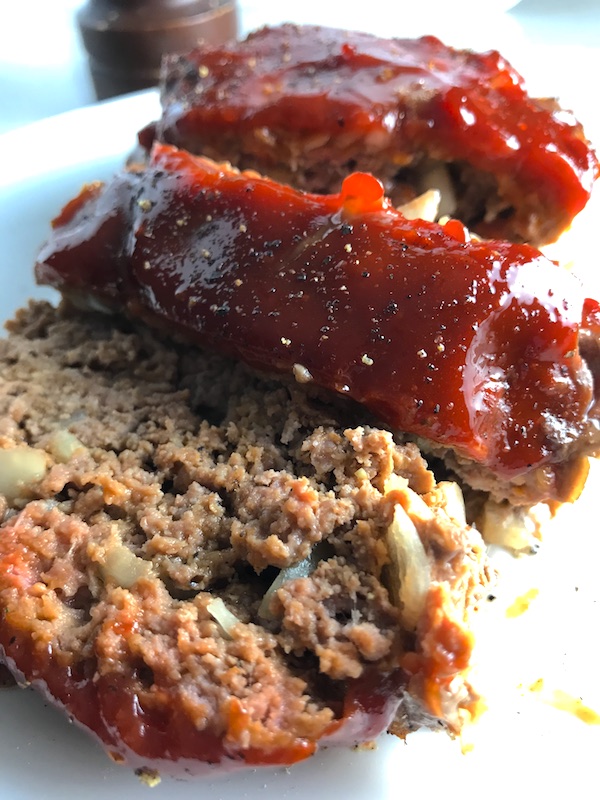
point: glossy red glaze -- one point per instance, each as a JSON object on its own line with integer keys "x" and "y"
{"x": 398, "y": 96}
{"x": 473, "y": 345}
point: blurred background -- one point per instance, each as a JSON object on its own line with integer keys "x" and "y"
{"x": 44, "y": 66}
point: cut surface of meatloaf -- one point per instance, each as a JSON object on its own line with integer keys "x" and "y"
{"x": 308, "y": 105}
{"x": 202, "y": 565}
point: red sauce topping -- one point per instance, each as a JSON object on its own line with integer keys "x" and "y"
{"x": 471, "y": 344}
{"x": 400, "y": 95}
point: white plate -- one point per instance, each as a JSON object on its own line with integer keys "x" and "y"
{"x": 522, "y": 745}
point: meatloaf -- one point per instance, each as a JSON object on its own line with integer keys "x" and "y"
{"x": 203, "y": 565}
{"x": 484, "y": 351}
{"x": 308, "y": 105}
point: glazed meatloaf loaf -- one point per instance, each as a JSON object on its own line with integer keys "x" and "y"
{"x": 308, "y": 105}
{"x": 202, "y": 565}
{"x": 483, "y": 352}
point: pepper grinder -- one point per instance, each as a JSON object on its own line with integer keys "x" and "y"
{"x": 125, "y": 39}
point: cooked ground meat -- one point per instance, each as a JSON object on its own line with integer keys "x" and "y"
{"x": 153, "y": 497}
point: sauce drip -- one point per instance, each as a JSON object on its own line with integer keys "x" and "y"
{"x": 563, "y": 701}
{"x": 522, "y": 603}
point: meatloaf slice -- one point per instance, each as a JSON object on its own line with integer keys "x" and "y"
{"x": 485, "y": 351}
{"x": 308, "y": 105}
{"x": 202, "y": 565}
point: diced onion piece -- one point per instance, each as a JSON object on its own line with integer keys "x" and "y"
{"x": 63, "y": 445}
{"x": 20, "y": 469}
{"x": 395, "y": 483}
{"x": 410, "y": 567}
{"x": 300, "y": 570}
{"x": 314, "y": 142}
{"x": 450, "y": 497}
{"x": 361, "y": 475}
{"x": 438, "y": 178}
{"x": 222, "y": 616}
{"x": 302, "y": 374}
{"x": 425, "y": 206}
{"x": 517, "y": 528}
{"x": 123, "y": 567}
